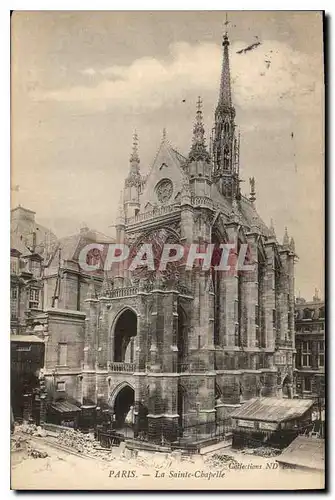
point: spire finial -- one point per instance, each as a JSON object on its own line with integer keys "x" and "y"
{"x": 272, "y": 229}
{"x": 121, "y": 202}
{"x": 286, "y": 240}
{"x": 134, "y": 157}
{"x": 164, "y": 135}
{"x": 199, "y": 105}
{"x": 225, "y": 87}
{"x": 292, "y": 244}
{"x": 120, "y": 214}
{"x": 226, "y": 23}
{"x": 198, "y": 130}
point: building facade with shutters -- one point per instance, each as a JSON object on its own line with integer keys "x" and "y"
{"x": 29, "y": 243}
{"x": 48, "y": 292}
{"x": 310, "y": 347}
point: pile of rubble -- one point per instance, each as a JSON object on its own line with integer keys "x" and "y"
{"x": 31, "y": 429}
{"x": 34, "y": 453}
{"x": 262, "y": 451}
{"x": 85, "y": 444}
{"x": 18, "y": 443}
{"x": 217, "y": 460}
{"x": 21, "y": 444}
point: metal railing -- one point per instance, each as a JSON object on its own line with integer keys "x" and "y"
{"x": 201, "y": 431}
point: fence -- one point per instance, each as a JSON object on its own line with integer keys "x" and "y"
{"x": 108, "y": 437}
{"x": 204, "y": 431}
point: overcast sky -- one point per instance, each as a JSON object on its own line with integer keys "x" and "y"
{"x": 83, "y": 81}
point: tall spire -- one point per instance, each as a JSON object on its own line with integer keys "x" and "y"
{"x": 225, "y": 84}
{"x": 225, "y": 145}
{"x": 198, "y": 149}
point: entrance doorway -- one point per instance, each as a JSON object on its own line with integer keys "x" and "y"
{"x": 122, "y": 404}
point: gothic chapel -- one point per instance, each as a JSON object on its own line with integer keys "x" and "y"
{"x": 188, "y": 347}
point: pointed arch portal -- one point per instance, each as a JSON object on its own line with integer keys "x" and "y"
{"x": 124, "y": 333}
{"x": 121, "y": 402}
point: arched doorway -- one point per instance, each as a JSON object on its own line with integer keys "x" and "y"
{"x": 121, "y": 404}
{"x": 124, "y": 333}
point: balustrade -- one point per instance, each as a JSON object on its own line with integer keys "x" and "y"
{"x": 122, "y": 367}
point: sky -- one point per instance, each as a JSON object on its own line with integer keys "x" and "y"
{"x": 82, "y": 82}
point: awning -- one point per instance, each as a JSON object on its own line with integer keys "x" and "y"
{"x": 33, "y": 339}
{"x": 272, "y": 409}
{"x": 305, "y": 452}
{"x": 64, "y": 407}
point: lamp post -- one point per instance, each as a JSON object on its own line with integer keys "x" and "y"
{"x": 198, "y": 412}
{"x": 54, "y": 373}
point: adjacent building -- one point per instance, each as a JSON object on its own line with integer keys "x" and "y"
{"x": 30, "y": 245}
{"x": 48, "y": 291}
{"x": 310, "y": 347}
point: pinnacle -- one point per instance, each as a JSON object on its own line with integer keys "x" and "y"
{"x": 272, "y": 229}
{"x": 134, "y": 157}
{"x": 198, "y": 149}
{"x": 286, "y": 240}
{"x": 292, "y": 244}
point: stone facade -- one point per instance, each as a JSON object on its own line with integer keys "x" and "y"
{"x": 195, "y": 343}
{"x": 183, "y": 347}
